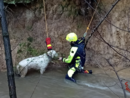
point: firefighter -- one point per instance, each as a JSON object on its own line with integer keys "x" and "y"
{"x": 77, "y": 55}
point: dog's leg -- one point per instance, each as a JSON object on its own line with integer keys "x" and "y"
{"x": 24, "y": 72}
{"x": 42, "y": 70}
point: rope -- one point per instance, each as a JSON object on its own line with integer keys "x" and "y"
{"x": 91, "y": 19}
{"x": 107, "y": 19}
{"x": 45, "y": 18}
{"x": 113, "y": 5}
{"x": 35, "y": 87}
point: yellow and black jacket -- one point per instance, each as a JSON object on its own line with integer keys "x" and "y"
{"x": 77, "y": 53}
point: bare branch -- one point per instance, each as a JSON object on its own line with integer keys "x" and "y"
{"x": 117, "y": 77}
{"x": 113, "y": 48}
{"x": 108, "y": 21}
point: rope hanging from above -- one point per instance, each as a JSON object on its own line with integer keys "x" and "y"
{"x": 113, "y": 5}
{"x": 48, "y": 39}
{"x": 91, "y": 20}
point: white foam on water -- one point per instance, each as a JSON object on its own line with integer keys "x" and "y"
{"x": 91, "y": 85}
{"x": 84, "y": 83}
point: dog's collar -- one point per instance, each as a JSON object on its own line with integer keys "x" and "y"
{"x": 48, "y": 55}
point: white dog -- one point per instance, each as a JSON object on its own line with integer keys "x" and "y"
{"x": 38, "y": 62}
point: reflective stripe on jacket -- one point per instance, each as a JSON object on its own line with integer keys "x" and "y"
{"x": 76, "y": 50}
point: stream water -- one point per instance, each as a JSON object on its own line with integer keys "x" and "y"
{"x": 53, "y": 85}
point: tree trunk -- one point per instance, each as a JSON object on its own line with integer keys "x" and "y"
{"x": 8, "y": 56}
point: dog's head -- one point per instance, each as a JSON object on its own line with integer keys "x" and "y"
{"x": 52, "y": 53}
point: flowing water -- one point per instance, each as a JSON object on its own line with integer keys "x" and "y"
{"x": 53, "y": 85}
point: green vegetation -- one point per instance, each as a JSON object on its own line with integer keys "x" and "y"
{"x": 17, "y": 1}
{"x": 29, "y": 28}
{"x": 70, "y": 7}
{"x": 27, "y": 49}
